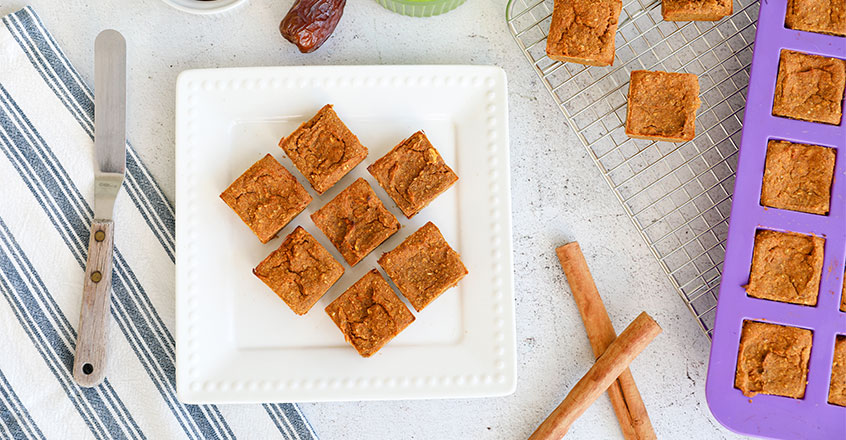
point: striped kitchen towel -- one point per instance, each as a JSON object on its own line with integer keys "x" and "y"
{"x": 46, "y": 194}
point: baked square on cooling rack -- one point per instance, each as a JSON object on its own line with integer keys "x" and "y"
{"x": 583, "y": 31}
{"x": 696, "y": 10}
{"x": 662, "y": 106}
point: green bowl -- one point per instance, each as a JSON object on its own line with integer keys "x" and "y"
{"x": 420, "y": 8}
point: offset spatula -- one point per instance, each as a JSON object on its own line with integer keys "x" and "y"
{"x": 89, "y": 367}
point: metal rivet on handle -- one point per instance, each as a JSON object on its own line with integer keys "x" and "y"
{"x": 96, "y": 276}
{"x": 99, "y": 236}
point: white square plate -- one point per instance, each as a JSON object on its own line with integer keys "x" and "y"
{"x": 236, "y": 340}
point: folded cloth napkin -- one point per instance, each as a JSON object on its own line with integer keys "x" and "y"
{"x": 46, "y": 200}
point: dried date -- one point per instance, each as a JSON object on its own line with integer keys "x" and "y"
{"x": 309, "y": 23}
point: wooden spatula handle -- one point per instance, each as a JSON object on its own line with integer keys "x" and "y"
{"x": 89, "y": 365}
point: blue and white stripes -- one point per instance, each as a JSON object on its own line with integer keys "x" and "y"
{"x": 15, "y": 421}
{"x": 46, "y": 134}
{"x": 52, "y": 334}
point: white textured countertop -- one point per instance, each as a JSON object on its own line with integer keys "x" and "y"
{"x": 558, "y": 195}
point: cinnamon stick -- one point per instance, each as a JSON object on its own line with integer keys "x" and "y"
{"x": 601, "y": 375}
{"x": 624, "y": 395}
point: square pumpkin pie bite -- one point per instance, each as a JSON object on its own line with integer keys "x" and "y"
{"x": 323, "y": 149}
{"x": 809, "y": 87}
{"x": 266, "y": 197}
{"x": 773, "y": 359}
{"x": 662, "y": 106}
{"x": 823, "y": 16}
{"x": 786, "y": 267}
{"x": 423, "y": 266}
{"x": 583, "y": 31}
{"x": 696, "y": 10}
{"x": 356, "y": 221}
{"x": 300, "y": 271}
{"x": 413, "y": 174}
{"x": 837, "y": 386}
{"x": 843, "y": 295}
{"x": 369, "y": 314}
{"x": 798, "y": 177}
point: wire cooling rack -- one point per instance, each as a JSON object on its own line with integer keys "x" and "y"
{"x": 678, "y": 195}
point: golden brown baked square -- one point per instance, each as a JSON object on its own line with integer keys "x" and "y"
{"x": 323, "y": 149}
{"x": 786, "y": 267}
{"x": 582, "y": 31}
{"x": 423, "y": 266}
{"x": 300, "y": 271}
{"x": 837, "y": 386}
{"x": 809, "y": 87}
{"x": 823, "y": 16}
{"x": 843, "y": 295}
{"x": 413, "y": 173}
{"x": 356, "y": 221}
{"x": 772, "y": 359}
{"x": 662, "y": 106}
{"x": 369, "y": 314}
{"x": 266, "y": 197}
{"x": 798, "y": 177}
{"x": 696, "y": 10}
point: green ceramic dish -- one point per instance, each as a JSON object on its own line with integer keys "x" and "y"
{"x": 420, "y": 8}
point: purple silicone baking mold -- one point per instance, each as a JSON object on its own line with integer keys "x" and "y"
{"x": 811, "y": 417}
